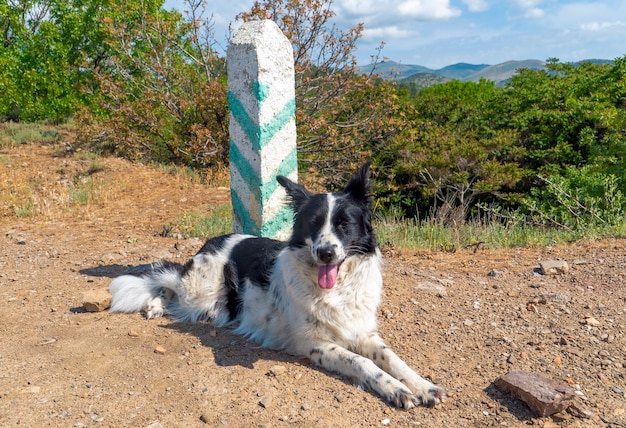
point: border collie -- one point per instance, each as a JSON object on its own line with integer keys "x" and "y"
{"x": 314, "y": 296}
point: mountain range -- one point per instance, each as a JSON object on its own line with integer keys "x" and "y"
{"x": 424, "y": 76}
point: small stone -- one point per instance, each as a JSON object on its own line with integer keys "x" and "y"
{"x": 340, "y": 397}
{"x": 494, "y": 273}
{"x": 277, "y": 370}
{"x": 160, "y": 350}
{"x": 266, "y": 402}
{"x": 205, "y": 418}
{"x": 48, "y": 341}
{"x": 577, "y": 410}
{"x": 155, "y": 424}
{"x": 96, "y": 300}
{"x": 553, "y": 267}
{"x": 591, "y": 321}
{"x": 133, "y": 333}
{"x": 429, "y": 287}
{"x": 385, "y": 422}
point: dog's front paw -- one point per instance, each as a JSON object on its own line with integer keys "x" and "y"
{"x": 403, "y": 399}
{"x": 430, "y": 396}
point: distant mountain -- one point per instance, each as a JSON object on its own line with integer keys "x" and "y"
{"x": 393, "y": 70}
{"x": 424, "y": 80}
{"x": 504, "y": 71}
{"x": 461, "y": 70}
{"x": 424, "y": 76}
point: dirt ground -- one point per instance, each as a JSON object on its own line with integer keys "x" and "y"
{"x": 461, "y": 319}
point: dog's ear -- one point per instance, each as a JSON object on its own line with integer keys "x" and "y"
{"x": 296, "y": 192}
{"x": 358, "y": 186}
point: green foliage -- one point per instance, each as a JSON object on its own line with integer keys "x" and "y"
{"x": 449, "y": 157}
{"x": 159, "y": 94}
{"x": 579, "y": 199}
{"x": 15, "y": 133}
{"x": 199, "y": 225}
{"x": 549, "y": 146}
{"x": 47, "y": 53}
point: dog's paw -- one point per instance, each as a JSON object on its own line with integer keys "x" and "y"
{"x": 430, "y": 396}
{"x": 154, "y": 311}
{"x": 402, "y": 398}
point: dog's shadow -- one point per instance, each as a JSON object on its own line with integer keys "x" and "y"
{"x": 515, "y": 406}
{"x": 229, "y": 349}
{"x": 107, "y": 271}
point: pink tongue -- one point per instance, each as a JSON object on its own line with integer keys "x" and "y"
{"x": 327, "y": 276}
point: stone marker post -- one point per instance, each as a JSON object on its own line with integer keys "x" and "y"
{"x": 261, "y": 98}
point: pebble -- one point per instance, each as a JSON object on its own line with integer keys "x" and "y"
{"x": 429, "y": 287}
{"x": 553, "y": 267}
{"x": 160, "y": 350}
{"x": 277, "y": 370}
{"x": 340, "y": 397}
{"x": 266, "y": 402}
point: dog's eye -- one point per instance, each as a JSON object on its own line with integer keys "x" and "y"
{"x": 343, "y": 224}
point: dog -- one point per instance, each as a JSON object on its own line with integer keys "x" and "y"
{"x": 314, "y": 296}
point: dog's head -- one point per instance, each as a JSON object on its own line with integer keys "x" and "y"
{"x": 333, "y": 226}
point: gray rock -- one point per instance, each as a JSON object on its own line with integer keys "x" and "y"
{"x": 544, "y": 396}
{"x": 553, "y": 267}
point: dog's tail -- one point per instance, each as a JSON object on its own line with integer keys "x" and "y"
{"x": 137, "y": 289}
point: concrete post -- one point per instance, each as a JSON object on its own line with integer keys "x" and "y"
{"x": 261, "y": 98}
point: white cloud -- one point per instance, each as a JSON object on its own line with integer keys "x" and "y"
{"x": 428, "y": 9}
{"x": 600, "y": 26}
{"x": 530, "y": 8}
{"x": 394, "y": 10}
{"x": 387, "y": 33}
{"x": 476, "y": 5}
{"x": 534, "y": 13}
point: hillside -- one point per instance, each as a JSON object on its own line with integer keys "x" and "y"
{"x": 423, "y": 76}
{"x": 502, "y": 72}
{"x": 424, "y": 80}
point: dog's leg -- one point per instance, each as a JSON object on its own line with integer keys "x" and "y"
{"x": 427, "y": 393}
{"x": 340, "y": 360}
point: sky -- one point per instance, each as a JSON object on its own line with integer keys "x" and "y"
{"x": 436, "y": 33}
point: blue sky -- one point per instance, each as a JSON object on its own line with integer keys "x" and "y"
{"x": 436, "y": 33}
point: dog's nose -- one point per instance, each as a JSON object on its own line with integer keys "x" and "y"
{"x": 326, "y": 254}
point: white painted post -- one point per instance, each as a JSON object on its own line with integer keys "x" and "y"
{"x": 261, "y": 98}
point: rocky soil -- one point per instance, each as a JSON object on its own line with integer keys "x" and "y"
{"x": 461, "y": 319}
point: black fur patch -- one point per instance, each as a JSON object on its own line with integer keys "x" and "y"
{"x": 250, "y": 260}
{"x": 214, "y": 245}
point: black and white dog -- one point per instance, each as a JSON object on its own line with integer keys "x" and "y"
{"x": 315, "y": 296}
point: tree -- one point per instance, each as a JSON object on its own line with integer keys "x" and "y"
{"x": 159, "y": 93}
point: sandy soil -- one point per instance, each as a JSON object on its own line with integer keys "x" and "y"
{"x": 461, "y": 319}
